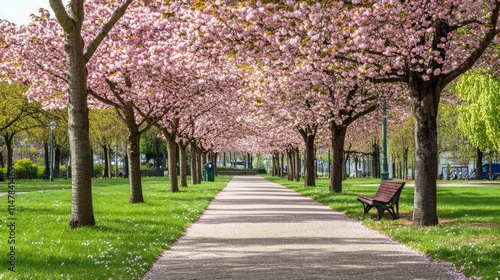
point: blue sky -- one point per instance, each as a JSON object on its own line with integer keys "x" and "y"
{"x": 18, "y": 11}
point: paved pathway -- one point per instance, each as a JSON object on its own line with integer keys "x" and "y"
{"x": 255, "y": 229}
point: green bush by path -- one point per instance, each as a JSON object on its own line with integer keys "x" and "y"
{"x": 125, "y": 242}
{"x": 468, "y": 234}
{"x": 26, "y": 169}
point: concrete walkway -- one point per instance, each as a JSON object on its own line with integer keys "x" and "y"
{"x": 255, "y": 229}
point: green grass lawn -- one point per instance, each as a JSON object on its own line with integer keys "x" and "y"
{"x": 468, "y": 234}
{"x": 125, "y": 242}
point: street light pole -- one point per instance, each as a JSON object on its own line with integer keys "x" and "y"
{"x": 384, "y": 174}
{"x": 52, "y": 126}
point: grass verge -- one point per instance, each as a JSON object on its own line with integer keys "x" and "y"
{"x": 125, "y": 242}
{"x": 468, "y": 234}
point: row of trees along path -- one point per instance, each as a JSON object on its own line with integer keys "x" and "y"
{"x": 251, "y": 76}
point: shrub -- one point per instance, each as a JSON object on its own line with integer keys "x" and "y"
{"x": 62, "y": 171}
{"x": 3, "y": 173}
{"x": 41, "y": 172}
{"x": 98, "y": 170}
{"x": 26, "y": 169}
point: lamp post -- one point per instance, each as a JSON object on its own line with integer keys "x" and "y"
{"x": 52, "y": 126}
{"x": 384, "y": 174}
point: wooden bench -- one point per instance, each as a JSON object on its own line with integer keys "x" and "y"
{"x": 386, "y": 199}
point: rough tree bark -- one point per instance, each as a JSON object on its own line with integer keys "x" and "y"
{"x": 134, "y": 166}
{"x": 194, "y": 165}
{"x": 297, "y": 164}
{"x": 310, "y": 175}
{"x": 425, "y": 108}
{"x": 338, "y": 139}
{"x": 8, "y": 138}
{"x": 291, "y": 166}
{"x": 183, "y": 163}
{"x": 172, "y": 163}
{"x": 199, "y": 164}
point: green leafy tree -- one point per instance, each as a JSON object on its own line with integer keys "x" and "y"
{"x": 153, "y": 147}
{"x": 106, "y": 129}
{"x": 402, "y": 147}
{"x": 479, "y": 117}
{"x": 451, "y": 140}
{"x": 16, "y": 115}
{"x": 41, "y": 135}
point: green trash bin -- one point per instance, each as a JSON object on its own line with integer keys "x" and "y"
{"x": 209, "y": 172}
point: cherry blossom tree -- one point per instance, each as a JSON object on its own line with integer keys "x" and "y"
{"x": 77, "y": 55}
{"x": 71, "y": 76}
{"x": 426, "y": 45}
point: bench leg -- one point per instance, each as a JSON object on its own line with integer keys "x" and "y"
{"x": 366, "y": 207}
{"x": 393, "y": 214}
{"x": 380, "y": 212}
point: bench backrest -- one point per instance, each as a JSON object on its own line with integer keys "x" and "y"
{"x": 389, "y": 191}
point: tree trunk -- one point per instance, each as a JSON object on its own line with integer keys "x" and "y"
{"x": 215, "y": 162}
{"x": 134, "y": 165}
{"x": 275, "y": 165}
{"x": 8, "y": 138}
{"x": 310, "y": 174}
{"x": 126, "y": 169}
{"x": 376, "y": 159}
{"x": 57, "y": 162}
{"x": 183, "y": 164}
{"x": 297, "y": 165}
{"x": 82, "y": 213}
{"x": 106, "y": 161}
{"x": 172, "y": 164}
{"x": 203, "y": 158}
{"x": 194, "y": 165}
{"x": 405, "y": 164}
{"x": 46, "y": 173}
{"x": 290, "y": 165}
{"x": 425, "y": 107}
{"x": 338, "y": 138}
{"x": 356, "y": 160}
{"x": 479, "y": 165}
{"x": 199, "y": 165}
{"x": 157, "y": 154}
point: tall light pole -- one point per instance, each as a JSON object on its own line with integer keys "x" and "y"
{"x": 52, "y": 126}
{"x": 384, "y": 174}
